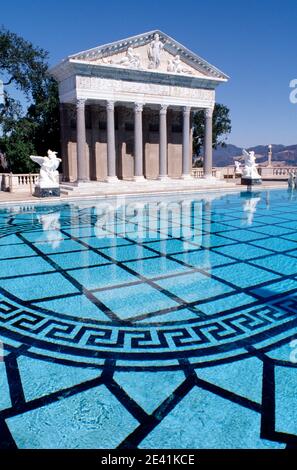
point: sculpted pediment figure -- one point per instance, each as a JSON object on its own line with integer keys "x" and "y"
{"x": 130, "y": 59}
{"x": 154, "y": 52}
{"x": 175, "y": 65}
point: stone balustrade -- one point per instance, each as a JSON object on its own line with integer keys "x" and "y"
{"x": 199, "y": 172}
{"x": 267, "y": 173}
{"x": 21, "y": 182}
{"x": 276, "y": 173}
{"x": 25, "y": 182}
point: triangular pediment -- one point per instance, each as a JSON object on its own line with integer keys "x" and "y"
{"x": 154, "y": 51}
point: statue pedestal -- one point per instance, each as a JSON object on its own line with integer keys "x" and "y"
{"x": 250, "y": 181}
{"x": 46, "y": 192}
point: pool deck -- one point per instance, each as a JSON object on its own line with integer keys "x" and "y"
{"x": 131, "y": 188}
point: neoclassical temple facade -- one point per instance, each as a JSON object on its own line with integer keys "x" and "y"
{"x": 127, "y": 107}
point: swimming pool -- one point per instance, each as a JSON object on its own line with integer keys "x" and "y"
{"x": 162, "y": 322}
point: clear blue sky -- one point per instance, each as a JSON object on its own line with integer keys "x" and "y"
{"x": 254, "y": 42}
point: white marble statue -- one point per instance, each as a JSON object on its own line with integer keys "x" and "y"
{"x": 154, "y": 52}
{"x": 131, "y": 59}
{"x": 48, "y": 175}
{"x": 250, "y": 165}
{"x": 292, "y": 180}
{"x": 238, "y": 168}
{"x": 175, "y": 65}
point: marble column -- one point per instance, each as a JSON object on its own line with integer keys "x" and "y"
{"x": 94, "y": 171}
{"x": 138, "y": 142}
{"x": 64, "y": 122}
{"x": 186, "y": 162}
{"x": 111, "y": 150}
{"x": 163, "y": 171}
{"x": 207, "y": 163}
{"x": 82, "y": 172}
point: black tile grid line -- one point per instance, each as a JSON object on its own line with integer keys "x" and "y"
{"x": 145, "y": 280}
{"x": 133, "y": 241}
{"x": 88, "y": 293}
{"x": 192, "y": 381}
{"x": 202, "y": 271}
{"x": 72, "y": 281}
{"x": 205, "y": 272}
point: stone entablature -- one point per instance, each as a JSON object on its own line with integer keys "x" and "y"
{"x": 148, "y": 93}
{"x": 78, "y": 82}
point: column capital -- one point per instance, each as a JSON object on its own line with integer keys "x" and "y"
{"x": 186, "y": 109}
{"x": 208, "y": 112}
{"x": 110, "y": 105}
{"x": 163, "y": 108}
{"x": 80, "y": 103}
{"x": 138, "y": 107}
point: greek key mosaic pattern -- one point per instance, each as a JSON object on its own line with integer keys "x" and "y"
{"x": 149, "y": 324}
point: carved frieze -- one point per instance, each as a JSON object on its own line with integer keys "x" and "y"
{"x": 121, "y": 86}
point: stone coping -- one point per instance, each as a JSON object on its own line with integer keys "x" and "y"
{"x": 7, "y": 198}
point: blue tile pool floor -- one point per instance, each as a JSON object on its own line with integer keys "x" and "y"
{"x": 150, "y": 324}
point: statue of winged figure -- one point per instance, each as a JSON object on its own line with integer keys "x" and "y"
{"x": 250, "y": 165}
{"x": 49, "y": 175}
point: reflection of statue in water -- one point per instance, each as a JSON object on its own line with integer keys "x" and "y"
{"x": 250, "y": 165}
{"x": 51, "y": 225}
{"x": 48, "y": 176}
{"x": 154, "y": 51}
{"x": 250, "y": 208}
{"x": 292, "y": 180}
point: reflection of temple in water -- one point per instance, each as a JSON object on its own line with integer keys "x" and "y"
{"x": 169, "y": 219}
{"x": 140, "y": 222}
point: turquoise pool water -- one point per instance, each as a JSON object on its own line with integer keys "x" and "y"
{"x": 157, "y": 323}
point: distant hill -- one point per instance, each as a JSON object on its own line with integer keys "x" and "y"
{"x": 223, "y": 156}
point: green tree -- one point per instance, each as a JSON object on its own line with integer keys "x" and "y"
{"x": 44, "y": 113}
{"x": 17, "y": 147}
{"x": 24, "y": 67}
{"x": 221, "y": 127}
